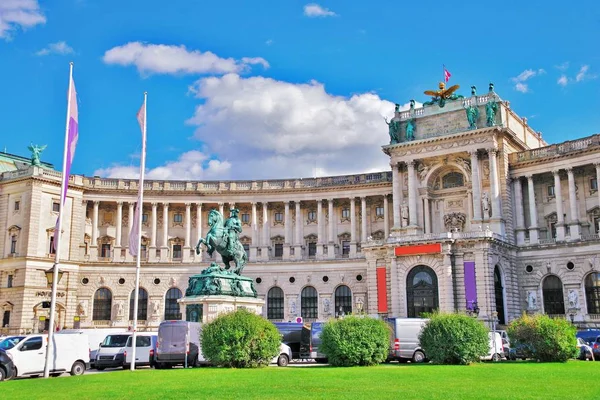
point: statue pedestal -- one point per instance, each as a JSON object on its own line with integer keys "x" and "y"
{"x": 206, "y": 308}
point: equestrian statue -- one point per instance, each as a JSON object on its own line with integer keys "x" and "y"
{"x": 224, "y": 238}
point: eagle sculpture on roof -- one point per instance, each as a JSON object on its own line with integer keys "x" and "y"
{"x": 440, "y": 96}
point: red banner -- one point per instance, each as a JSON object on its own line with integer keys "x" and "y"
{"x": 382, "y": 305}
{"x": 434, "y": 248}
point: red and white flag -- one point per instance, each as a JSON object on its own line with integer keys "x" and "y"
{"x": 447, "y": 74}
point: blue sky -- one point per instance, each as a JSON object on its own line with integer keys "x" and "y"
{"x": 273, "y": 89}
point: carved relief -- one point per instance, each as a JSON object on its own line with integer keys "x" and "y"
{"x": 458, "y": 203}
{"x": 454, "y": 222}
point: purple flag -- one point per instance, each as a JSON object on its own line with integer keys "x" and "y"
{"x": 73, "y": 135}
{"x": 134, "y": 235}
{"x": 470, "y": 285}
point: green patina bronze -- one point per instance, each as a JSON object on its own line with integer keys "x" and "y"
{"x": 410, "y": 130}
{"x": 222, "y": 237}
{"x": 393, "y": 130}
{"x": 35, "y": 153}
{"x": 491, "y": 108}
{"x": 472, "y": 115}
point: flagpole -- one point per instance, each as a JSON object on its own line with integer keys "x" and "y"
{"x": 57, "y": 232}
{"x": 139, "y": 239}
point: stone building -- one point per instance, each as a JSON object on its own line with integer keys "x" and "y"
{"x": 477, "y": 213}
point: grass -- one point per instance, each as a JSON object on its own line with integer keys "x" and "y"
{"x": 514, "y": 380}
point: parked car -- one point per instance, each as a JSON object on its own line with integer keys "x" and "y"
{"x": 10, "y": 341}
{"x": 95, "y": 338}
{"x": 111, "y": 353}
{"x": 405, "y": 339}
{"x": 520, "y": 351}
{"x": 291, "y": 334}
{"x": 179, "y": 344}
{"x": 6, "y": 366}
{"x": 586, "y": 351}
{"x": 496, "y": 352}
{"x": 592, "y": 338}
{"x": 284, "y": 357}
{"x": 144, "y": 350}
{"x": 311, "y": 341}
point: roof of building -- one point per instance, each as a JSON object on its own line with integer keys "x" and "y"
{"x": 12, "y": 162}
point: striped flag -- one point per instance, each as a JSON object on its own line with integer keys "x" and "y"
{"x": 134, "y": 235}
{"x": 447, "y": 74}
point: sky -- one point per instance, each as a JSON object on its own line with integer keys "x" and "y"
{"x": 278, "y": 88}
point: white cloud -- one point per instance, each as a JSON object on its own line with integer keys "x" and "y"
{"x": 315, "y": 10}
{"x": 562, "y": 67}
{"x": 56, "y": 48}
{"x": 191, "y": 165}
{"x": 16, "y": 14}
{"x": 269, "y": 42}
{"x": 273, "y": 129}
{"x": 171, "y": 59}
{"x": 524, "y": 76}
{"x": 563, "y": 80}
{"x": 583, "y": 74}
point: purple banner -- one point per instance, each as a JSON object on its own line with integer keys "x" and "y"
{"x": 470, "y": 285}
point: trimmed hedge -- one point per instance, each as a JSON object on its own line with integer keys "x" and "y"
{"x": 547, "y": 339}
{"x": 240, "y": 339}
{"x": 355, "y": 341}
{"x": 454, "y": 339}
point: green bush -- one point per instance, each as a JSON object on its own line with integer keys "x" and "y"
{"x": 547, "y": 339}
{"x": 355, "y": 341}
{"x": 454, "y": 339}
{"x": 240, "y": 339}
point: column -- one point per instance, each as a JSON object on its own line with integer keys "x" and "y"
{"x": 386, "y": 218}
{"x": 266, "y": 241}
{"x": 298, "y": 240}
{"x": 164, "y": 250}
{"x": 533, "y": 228}
{"x": 597, "y": 165}
{"x": 427, "y": 215}
{"x": 287, "y": 230}
{"x": 495, "y": 184}
{"x": 254, "y": 230}
{"x": 396, "y": 195}
{"x": 412, "y": 195}
{"x": 574, "y": 223}
{"x": 520, "y": 216}
{"x": 198, "y": 257}
{"x": 319, "y": 229}
{"x": 130, "y": 221}
{"x": 330, "y": 226}
{"x": 152, "y": 255}
{"x": 363, "y": 220}
{"x": 188, "y": 232}
{"x": 119, "y": 227}
{"x": 560, "y": 214}
{"x": 476, "y": 183}
{"x": 95, "y": 224}
{"x": 353, "y": 227}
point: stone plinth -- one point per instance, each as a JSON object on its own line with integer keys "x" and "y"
{"x": 206, "y": 308}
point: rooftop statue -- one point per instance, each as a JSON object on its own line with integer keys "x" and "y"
{"x": 410, "y": 130}
{"x": 440, "y": 96}
{"x": 491, "y": 108}
{"x": 394, "y": 130}
{"x": 472, "y": 115}
{"x": 35, "y": 153}
{"x": 224, "y": 238}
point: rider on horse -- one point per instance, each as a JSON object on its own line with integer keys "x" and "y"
{"x": 233, "y": 227}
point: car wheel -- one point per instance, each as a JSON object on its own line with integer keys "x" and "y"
{"x": 283, "y": 360}
{"x": 418, "y": 357}
{"x": 2, "y": 374}
{"x": 78, "y": 368}
{"x": 496, "y": 357}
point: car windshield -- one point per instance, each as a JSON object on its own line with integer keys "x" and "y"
{"x": 10, "y": 342}
{"x": 115, "y": 341}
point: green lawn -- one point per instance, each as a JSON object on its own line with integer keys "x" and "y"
{"x": 514, "y": 380}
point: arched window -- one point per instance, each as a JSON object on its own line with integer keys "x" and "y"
{"x": 309, "y": 303}
{"x": 171, "y": 305}
{"x": 552, "y": 291}
{"x": 275, "y": 303}
{"x": 421, "y": 291}
{"x": 102, "y": 305}
{"x": 499, "y": 295}
{"x": 452, "y": 180}
{"x": 592, "y": 292}
{"x": 343, "y": 301}
{"x": 142, "y": 304}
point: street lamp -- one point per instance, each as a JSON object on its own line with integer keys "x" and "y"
{"x": 572, "y": 316}
{"x": 50, "y": 276}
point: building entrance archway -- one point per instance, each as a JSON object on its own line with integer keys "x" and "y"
{"x": 421, "y": 291}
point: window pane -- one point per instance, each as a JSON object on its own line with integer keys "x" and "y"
{"x": 246, "y": 218}
{"x": 102, "y": 305}
{"x": 177, "y": 253}
{"x": 309, "y": 304}
{"x": 275, "y": 303}
{"x": 343, "y": 301}
{"x": 278, "y": 250}
{"x": 142, "y": 304}
{"x": 171, "y": 305}
{"x": 452, "y": 180}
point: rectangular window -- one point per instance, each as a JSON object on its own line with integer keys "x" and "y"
{"x": 247, "y": 249}
{"x": 55, "y": 206}
{"x": 278, "y": 216}
{"x": 51, "y": 249}
{"x": 312, "y": 249}
{"x": 105, "y": 250}
{"x": 346, "y": 213}
{"x": 379, "y": 211}
{"x": 6, "y": 319}
{"x": 246, "y": 218}
{"x": 13, "y": 244}
{"x": 553, "y": 230}
{"x": 278, "y": 250}
{"x": 177, "y": 254}
{"x": 345, "y": 247}
{"x": 145, "y": 218}
{"x": 312, "y": 215}
{"x": 9, "y": 281}
{"x": 593, "y": 184}
{"x": 143, "y": 252}
{"x": 551, "y": 191}
{"x": 17, "y": 205}
{"x": 178, "y": 218}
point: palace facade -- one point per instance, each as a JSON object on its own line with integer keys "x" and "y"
{"x": 477, "y": 213}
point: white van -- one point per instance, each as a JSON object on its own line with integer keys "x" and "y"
{"x": 95, "y": 337}
{"x": 496, "y": 350}
{"x": 405, "y": 339}
{"x": 179, "y": 344}
{"x": 111, "y": 353}
{"x": 70, "y": 353}
{"x": 144, "y": 350}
